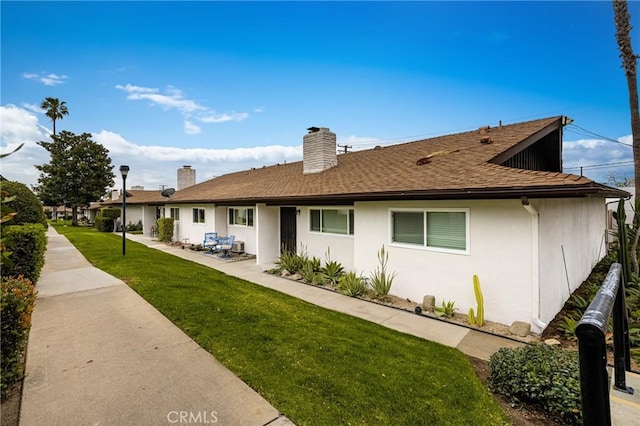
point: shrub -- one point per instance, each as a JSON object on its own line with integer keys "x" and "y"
{"x": 18, "y": 297}
{"x": 137, "y": 227}
{"x": 309, "y": 272}
{"x": 110, "y": 212}
{"x": 332, "y": 271}
{"x": 381, "y": 280}
{"x": 540, "y": 374}
{"x": 165, "y": 229}
{"x": 24, "y": 202}
{"x": 352, "y": 284}
{"x": 446, "y": 310}
{"x": 105, "y": 224}
{"x": 291, "y": 261}
{"x": 27, "y": 244}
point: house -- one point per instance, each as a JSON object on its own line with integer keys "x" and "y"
{"x": 492, "y": 202}
{"x": 144, "y": 206}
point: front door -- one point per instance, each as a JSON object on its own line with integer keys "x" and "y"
{"x": 288, "y": 229}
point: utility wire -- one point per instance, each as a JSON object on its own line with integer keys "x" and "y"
{"x": 600, "y": 166}
{"x": 590, "y": 133}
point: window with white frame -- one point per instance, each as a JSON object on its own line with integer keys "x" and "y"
{"x": 331, "y": 221}
{"x": 198, "y": 215}
{"x": 437, "y": 229}
{"x": 242, "y": 216}
{"x": 174, "y": 213}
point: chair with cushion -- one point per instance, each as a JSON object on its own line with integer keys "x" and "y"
{"x": 225, "y": 244}
{"x": 210, "y": 241}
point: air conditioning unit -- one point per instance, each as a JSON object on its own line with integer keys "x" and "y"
{"x": 238, "y": 247}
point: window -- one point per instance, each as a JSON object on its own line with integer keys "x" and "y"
{"x": 331, "y": 221}
{"x": 242, "y": 216}
{"x": 174, "y": 213}
{"x": 439, "y": 229}
{"x": 198, "y": 215}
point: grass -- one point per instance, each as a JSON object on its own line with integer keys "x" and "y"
{"x": 316, "y": 366}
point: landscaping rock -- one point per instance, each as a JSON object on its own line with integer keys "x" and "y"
{"x": 296, "y": 277}
{"x": 552, "y": 342}
{"x": 285, "y": 273}
{"x": 520, "y": 328}
{"x": 428, "y": 303}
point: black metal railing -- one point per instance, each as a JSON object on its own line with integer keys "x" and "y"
{"x": 592, "y": 333}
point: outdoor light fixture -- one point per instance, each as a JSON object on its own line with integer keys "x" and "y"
{"x": 124, "y": 171}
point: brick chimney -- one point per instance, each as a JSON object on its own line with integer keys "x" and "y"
{"x": 186, "y": 177}
{"x": 318, "y": 150}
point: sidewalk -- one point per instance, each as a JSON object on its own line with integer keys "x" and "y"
{"x": 100, "y": 354}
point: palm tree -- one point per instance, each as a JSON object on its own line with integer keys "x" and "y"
{"x": 629, "y": 63}
{"x": 56, "y": 110}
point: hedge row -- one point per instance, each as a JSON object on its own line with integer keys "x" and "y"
{"x": 165, "y": 229}
{"x": 27, "y": 244}
{"x": 18, "y": 297}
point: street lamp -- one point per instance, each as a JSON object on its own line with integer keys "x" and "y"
{"x": 124, "y": 171}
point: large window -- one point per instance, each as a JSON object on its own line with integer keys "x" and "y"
{"x": 198, "y": 215}
{"x": 331, "y": 221}
{"x": 242, "y": 216}
{"x": 438, "y": 229}
{"x": 174, "y": 213}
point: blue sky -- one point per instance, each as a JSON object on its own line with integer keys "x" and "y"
{"x": 228, "y": 86}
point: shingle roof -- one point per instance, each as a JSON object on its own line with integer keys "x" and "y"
{"x": 459, "y": 167}
{"x": 137, "y": 196}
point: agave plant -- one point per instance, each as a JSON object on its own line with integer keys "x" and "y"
{"x": 352, "y": 284}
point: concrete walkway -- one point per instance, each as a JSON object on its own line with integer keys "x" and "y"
{"x": 99, "y": 354}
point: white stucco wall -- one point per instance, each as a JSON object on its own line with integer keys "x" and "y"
{"x": 499, "y": 253}
{"x": 185, "y": 228}
{"x": 267, "y": 223}
{"x": 134, "y": 214}
{"x": 577, "y": 226}
{"x": 316, "y": 244}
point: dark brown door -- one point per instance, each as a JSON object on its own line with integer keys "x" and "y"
{"x": 288, "y": 229}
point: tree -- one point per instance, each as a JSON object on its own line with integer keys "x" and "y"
{"x": 56, "y": 110}
{"x": 79, "y": 172}
{"x": 629, "y": 64}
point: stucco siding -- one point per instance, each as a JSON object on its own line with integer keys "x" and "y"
{"x": 186, "y": 228}
{"x": 267, "y": 222}
{"x": 499, "y": 253}
{"x": 316, "y": 243}
{"x": 571, "y": 243}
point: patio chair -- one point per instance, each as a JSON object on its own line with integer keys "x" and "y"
{"x": 210, "y": 241}
{"x": 225, "y": 244}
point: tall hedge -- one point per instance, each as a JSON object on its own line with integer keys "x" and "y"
{"x": 104, "y": 224}
{"x": 110, "y": 212}
{"x": 18, "y": 297}
{"x": 26, "y": 205}
{"x": 27, "y": 244}
{"x": 165, "y": 229}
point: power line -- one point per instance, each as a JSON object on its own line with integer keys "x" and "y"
{"x": 601, "y": 166}
{"x": 590, "y": 133}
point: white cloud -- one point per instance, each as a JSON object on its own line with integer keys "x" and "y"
{"x": 32, "y": 107}
{"x": 173, "y": 98}
{"x": 223, "y": 118}
{"x": 19, "y": 126}
{"x": 259, "y": 109}
{"x": 597, "y": 152}
{"x": 46, "y": 79}
{"x": 191, "y": 129}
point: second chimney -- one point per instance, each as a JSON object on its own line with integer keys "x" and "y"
{"x": 186, "y": 177}
{"x": 318, "y": 150}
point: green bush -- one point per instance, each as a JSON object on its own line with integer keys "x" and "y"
{"x": 27, "y": 244}
{"x": 381, "y": 279}
{"x": 165, "y": 229}
{"x": 292, "y": 261}
{"x": 134, "y": 227}
{"x": 540, "y": 374}
{"x": 104, "y": 224}
{"x": 24, "y": 202}
{"x": 110, "y": 212}
{"x": 352, "y": 284}
{"x": 18, "y": 297}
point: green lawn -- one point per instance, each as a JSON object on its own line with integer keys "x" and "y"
{"x": 317, "y": 366}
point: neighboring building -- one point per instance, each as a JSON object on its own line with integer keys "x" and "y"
{"x": 142, "y": 206}
{"x": 492, "y": 202}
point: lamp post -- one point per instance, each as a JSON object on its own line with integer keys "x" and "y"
{"x": 124, "y": 171}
